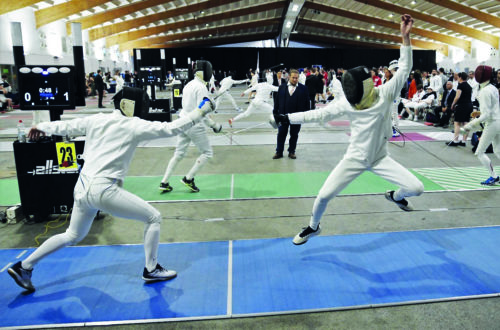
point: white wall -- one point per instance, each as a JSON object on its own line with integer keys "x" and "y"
{"x": 46, "y": 44}
{"x": 459, "y": 60}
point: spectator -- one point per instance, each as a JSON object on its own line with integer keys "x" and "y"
{"x": 443, "y": 112}
{"x": 436, "y": 82}
{"x": 462, "y": 107}
{"x": 376, "y": 79}
{"x": 99, "y": 86}
{"x": 475, "y": 88}
{"x": 127, "y": 78}
{"x": 454, "y": 80}
{"x": 119, "y": 81}
{"x": 420, "y": 101}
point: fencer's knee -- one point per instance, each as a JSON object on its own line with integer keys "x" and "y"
{"x": 155, "y": 217}
{"x": 73, "y": 238}
{"x": 179, "y": 154}
{"x": 207, "y": 154}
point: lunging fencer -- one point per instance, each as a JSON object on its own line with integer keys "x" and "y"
{"x": 262, "y": 91}
{"x": 193, "y": 93}
{"x": 110, "y": 143}
{"x": 489, "y": 117}
{"x": 369, "y": 111}
{"x": 225, "y": 86}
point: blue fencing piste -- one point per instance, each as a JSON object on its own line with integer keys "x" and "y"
{"x": 103, "y": 284}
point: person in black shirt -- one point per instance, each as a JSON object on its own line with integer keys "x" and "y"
{"x": 99, "y": 86}
{"x": 462, "y": 106}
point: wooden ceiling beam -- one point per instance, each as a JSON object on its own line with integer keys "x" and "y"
{"x": 110, "y": 15}
{"x": 108, "y": 30}
{"x": 149, "y": 42}
{"x": 218, "y": 40}
{"x": 376, "y": 35}
{"x": 63, "y": 10}
{"x": 469, "y": 11}
{"x": 209, "y": 19}
{"x": 473, "y": 33}
{"x": 8, "y": 6}
{"x": 306, "y": 37}
{"x": 457, "y": 42}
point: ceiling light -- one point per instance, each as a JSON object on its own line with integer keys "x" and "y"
{"x": 358, "y": 37}
{"x": 207, "y": 24}
{"x": 288, "y": 24}
{"x": 391, "y": 15}
{"x": 295, "y": 8}
{"x": 413, "y": 3}
{"x": 373, "y": 27}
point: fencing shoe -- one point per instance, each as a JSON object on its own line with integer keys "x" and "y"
{"x": 305, "y": 234}
{"x": 491, "y": 181}
{"x": 190, "y": 184}
{"x": 165, "y": 187}
{"x": 158, "y": 274}
{"x": 403, "y": 204}
{"x": 21, "y": 276}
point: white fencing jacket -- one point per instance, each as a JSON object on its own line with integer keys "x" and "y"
{"x": 263, "y": 90}
{"x": 111, "y": 139}
{"x": 370, "y": 128}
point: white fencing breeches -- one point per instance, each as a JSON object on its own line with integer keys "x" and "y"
{"x": 225, "y": 95}
{"x": 256, "y": 104}
{"x": 198, "y": 135}
{"x": 107, "y": 195}
{"x": 491, "y": 135}
{"x": 349, "y": 169}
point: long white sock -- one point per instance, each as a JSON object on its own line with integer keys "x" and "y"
{"x": 151, "y": 242}
{"x": 170, "y": 168}
{"x": 49, "y": 246}
{"x": 200, "y": 161}
{"x": 486, "y": 161}
{"x": 319, "y": 208}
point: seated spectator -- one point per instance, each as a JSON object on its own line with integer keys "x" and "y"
{"x": 419, "y": 102}
{"x": 4, "y": 100}
{"x": 443, "y": 112}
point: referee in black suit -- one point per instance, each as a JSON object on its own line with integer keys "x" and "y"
{"x": 291, "y": 97}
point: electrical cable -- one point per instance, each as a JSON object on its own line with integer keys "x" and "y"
{"x": 48, "y": 226}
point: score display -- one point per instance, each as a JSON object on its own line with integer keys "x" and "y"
{"x": 151, "y": 75}
{"x": 46, "y": 87}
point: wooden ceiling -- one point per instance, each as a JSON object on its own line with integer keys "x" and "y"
{"x": 189, "y": 23}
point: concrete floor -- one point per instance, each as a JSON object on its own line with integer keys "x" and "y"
{"x": 264, "y": 218}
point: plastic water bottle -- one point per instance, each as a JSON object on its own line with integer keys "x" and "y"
{"x": 21, "y": 132}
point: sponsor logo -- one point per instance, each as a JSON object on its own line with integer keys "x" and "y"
{"x": 50, "y": 168}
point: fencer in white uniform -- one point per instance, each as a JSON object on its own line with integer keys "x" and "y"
{"x": 489, "y": 108}
{"x": 262, "y": 91}
{"x": 110, "y": 143}
{"x": 225, "y": 86}
{"x": 393, "y": 68}
{"x": 369, "y": 111}
{"x": 192, "y": 94}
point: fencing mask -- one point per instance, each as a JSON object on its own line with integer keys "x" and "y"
{"x": 203, "y": 70}
{"x": 393, "y": 66}
{"x": 483, "y": 73}
{"x": 358, "y": 87}
{"x": 132, "y": 102}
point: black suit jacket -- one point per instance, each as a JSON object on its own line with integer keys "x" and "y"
{"x": 301, "y": 98}
{"x": 99, "y": 83}
{"x": 275, "y": 81}
{"x": 450, "y": 98}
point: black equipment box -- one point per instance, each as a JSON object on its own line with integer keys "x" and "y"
{"x": 45, "y": 189}
{"x": 160, "y": 110}
{"x": 177, "y": 96}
